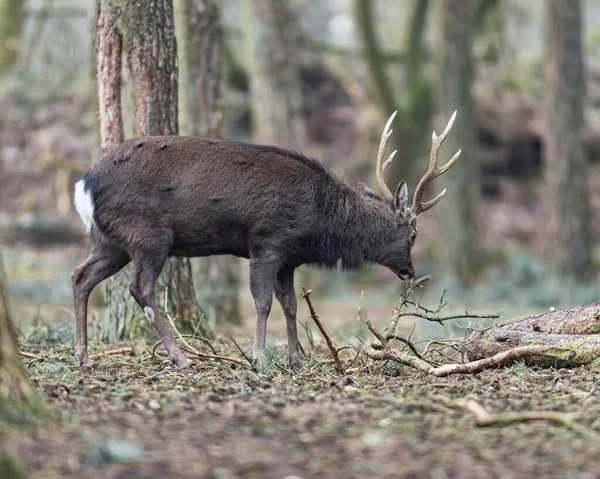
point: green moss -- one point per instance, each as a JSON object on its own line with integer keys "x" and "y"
{"x": 12, "y": 467}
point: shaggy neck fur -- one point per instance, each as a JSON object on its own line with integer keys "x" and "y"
{"x": 355, "y": 229}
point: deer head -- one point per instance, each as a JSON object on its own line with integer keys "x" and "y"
{"x": 400, "y": 260}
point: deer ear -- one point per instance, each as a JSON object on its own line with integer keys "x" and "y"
{"x": 401, "y": 196}
{"x": 364, "y": 189}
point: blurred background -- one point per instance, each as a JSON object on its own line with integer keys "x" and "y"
{"x": 515, "y": 233}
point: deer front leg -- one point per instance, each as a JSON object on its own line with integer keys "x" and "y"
{"x": 285, "y": 294}
{"x": 263, "y": 271}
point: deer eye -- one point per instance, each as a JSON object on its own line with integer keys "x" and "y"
{"x": 413, "y": 236}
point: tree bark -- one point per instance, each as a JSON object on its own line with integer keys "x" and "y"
{"x": 461, "y": 256}
{"x": 577, "y": 329}
{"x": 568, "y": 234}
{"x": 20, "y": 403}
{"x": 109, "y": 48}
{"x": 276, "y": 96}
{"x": 148, "y": 40}
{"x": 200, "y": 40}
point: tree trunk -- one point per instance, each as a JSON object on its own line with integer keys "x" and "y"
{"x": 148, "y": 40}
{"x": 109, "y": 48}
{"x": 273, "y": 35}
{"x": 577, "y": 329}
{"x": 20, "y": 403}
{"x": 414, "y": 106}
{"x": 274, "y": 64}
{"x": 461, "y": 253}
{"x": 568, "y": 234}
{"x": 11, "y": 24}
{"x": 200, "y": 40}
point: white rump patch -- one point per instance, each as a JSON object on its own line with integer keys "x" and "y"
{"x": 84, "y": 205}
{"x": 149, "y": 312}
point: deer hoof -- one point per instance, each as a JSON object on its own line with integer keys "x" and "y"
{"x": 259, "y": 362}
{"x": 296, "y": 362}
{"x": 180, "y": 362}
{"x": 83, "y": 360}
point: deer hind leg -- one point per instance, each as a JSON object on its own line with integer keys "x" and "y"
{"x": 286, "y": 295}
{"x": 101, "y": 264}
{"x": 147, "y": 268}
{"x": 263, "y": 272}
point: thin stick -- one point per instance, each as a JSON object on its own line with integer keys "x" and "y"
{"x": 376, "y": 332}
{"x": 112, "y": 352}
{"x": 409, "y": 343}
{"x": 317, "y": 320}
{"x": 190, "y": 349}
{"x": 485, "y": 419}
{"x": 30, "y": 355}
{"x": 217, "y": 357}
{"x": 243, "y": 353}
{"x": 441, "y": 319}
{"x": 198, "y": 354}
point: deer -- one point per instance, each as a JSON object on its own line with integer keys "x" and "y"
{"x": 153, "y": 197}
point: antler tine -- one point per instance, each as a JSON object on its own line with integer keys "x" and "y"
{"x": 433, "y": 171}
{"x": 381, "y": 166}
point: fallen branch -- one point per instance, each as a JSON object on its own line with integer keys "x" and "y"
{"x": 502, "y": 358}
{"x": 317, "y": 320}
{"x": 112, "y": 352}
{"x": 394, "y": 355}
{"x": 193, "y": 352}
{"x": 485, "y": 419}
{"x": 380, "y": 350}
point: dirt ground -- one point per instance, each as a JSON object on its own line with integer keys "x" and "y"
{"x": 136, "y": 416}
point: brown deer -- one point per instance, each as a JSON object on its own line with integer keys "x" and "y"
{"x": 154, "y": 197}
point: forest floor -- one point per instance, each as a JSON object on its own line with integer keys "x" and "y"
{"x": 136, "y": 416}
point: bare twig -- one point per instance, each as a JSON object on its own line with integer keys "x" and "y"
{"x": 441, "y": 319}
{"x": 112, "y": 352}
{"x": 317, "y": 320}
{"x": 485, "y": 419}
{"x": 243, "y": 353}
{"x": 30, "y": 355}
{"x": 382, "y": 339}
{"x": 194, "y": 353}
{"x": 409, "y": 343}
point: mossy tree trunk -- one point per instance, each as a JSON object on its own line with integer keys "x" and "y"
{"x": 20, "y": 403}
{"x": 146, "y": 30}
{"x": 461, "y": 255}
{"x": 200, "y": 41}
{"x": 568, "y": 234}
{"x": 11, "y": 25}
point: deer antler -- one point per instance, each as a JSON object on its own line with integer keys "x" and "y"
{"x": 381, "y": 166}
{"x": 432, "y": 172}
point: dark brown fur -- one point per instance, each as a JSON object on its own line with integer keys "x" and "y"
{"x": 184, "y": 196}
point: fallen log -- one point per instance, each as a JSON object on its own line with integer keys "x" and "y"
{"x": 580, "y": 320}
{"x": 575, "y": 329}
